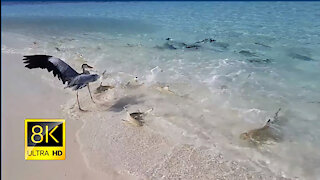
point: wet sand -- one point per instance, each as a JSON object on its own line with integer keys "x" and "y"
{"x": 26, "y": 95}
{"x": 150, "y": 151}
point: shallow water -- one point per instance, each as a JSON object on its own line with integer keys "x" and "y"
{"x": 265, "y": 57}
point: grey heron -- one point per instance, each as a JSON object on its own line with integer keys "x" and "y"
{"x": 64, "y": 72}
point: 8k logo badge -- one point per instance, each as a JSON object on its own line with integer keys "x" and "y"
{"x": 45, "y": 139}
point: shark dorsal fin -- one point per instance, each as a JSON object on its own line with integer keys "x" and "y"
{"x": 267, "y": 124}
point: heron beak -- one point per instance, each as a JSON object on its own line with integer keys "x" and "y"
{"x": 89, "y": 67}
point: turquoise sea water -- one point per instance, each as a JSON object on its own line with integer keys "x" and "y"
{"x": 266, "y": 56}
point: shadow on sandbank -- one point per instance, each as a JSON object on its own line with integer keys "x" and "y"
{"x": 125, "y": 101}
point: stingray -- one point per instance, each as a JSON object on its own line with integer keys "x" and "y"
{"x": 102, "y": 88}
{"x": 136, "y": 118}
{"x": 133, "y": 83}
{"x": 164, "y": 89}
{"x": 264, "y": 134}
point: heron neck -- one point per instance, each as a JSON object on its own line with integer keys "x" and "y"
{"x": 84, "y": 71}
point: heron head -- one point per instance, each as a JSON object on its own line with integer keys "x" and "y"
{"x": 86, "y": 66}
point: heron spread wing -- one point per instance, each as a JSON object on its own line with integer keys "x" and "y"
{"x": 56, "y": 65}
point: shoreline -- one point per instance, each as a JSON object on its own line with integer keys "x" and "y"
{"x": 110, "y": 148}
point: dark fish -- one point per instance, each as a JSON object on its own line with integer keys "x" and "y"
{"x": 257, "y": 60}
{"x": 247, "y": 53}
{"x": 206, "y": 41}
{"x": 315, "y": 102}
{"x": 173, "y": 45}
{"x": 300, "y": 57}
{"x": 195, "y": 46}
{"x": 263, "y": 45}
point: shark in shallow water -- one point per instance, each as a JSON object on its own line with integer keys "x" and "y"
{"x": 173, "y": 45}
{"x": 264, "y": 134}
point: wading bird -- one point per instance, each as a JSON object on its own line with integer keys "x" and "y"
{"x": 64, "y": 72}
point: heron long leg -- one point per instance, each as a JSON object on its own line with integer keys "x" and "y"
{"x": 78, "y": 102}
{"x": 90, "y": 94}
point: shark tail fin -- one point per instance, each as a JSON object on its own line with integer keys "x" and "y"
{"x": 268, "y": 123}
{"x": 148, "y": 111}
